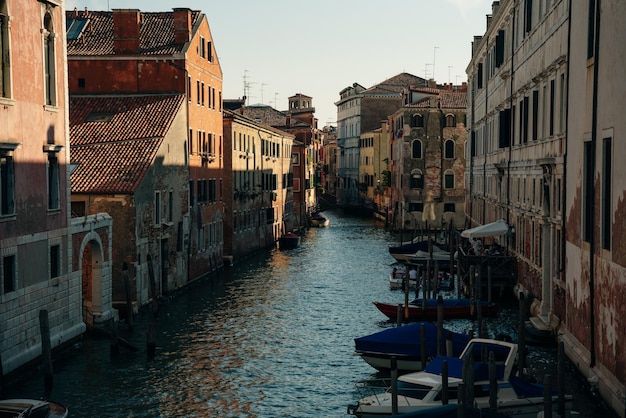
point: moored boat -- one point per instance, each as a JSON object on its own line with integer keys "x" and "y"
{"x": 413, "y": 249}
{"x": 319, "y": 220}
{"x": 453, "y": 308}
{"x": 289, "y": 241}
{"x": 405, "y": 344}
{"x": 422, "y": 390}
{"x": 32, "y": 408}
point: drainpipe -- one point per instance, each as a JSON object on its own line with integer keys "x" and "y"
{"x": 594, "y": 138}
{"x": 511, "y": 130}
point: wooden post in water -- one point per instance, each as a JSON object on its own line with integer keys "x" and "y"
{"x": 46, "y": 350}
{"x": 394, "y": 385}
{"x": 436, "y": 282}
{"x": 449, "y": 345}
{"x": 399, "y": 315}
{"x": 150, "y": 341}
{"x": 521, "y": 336}
{"x": 129, "y": 298}
{"x": 417, "y": 284}
{"x": 153, "y": 292}
{"x": 439, "y": 324}
{"x": 479, "y": 309}
{"x": 471, "y": 286}
{"x": 489, "y": 284}
{"x": 444, "y": 382}
{"x": 114, "y": 343}
{"x": 468, "y": 377}
{"x": 427, "y": 278}
{"x": 493, "y": 383}
{"x": 462, "y": 400}
{"x": 547, "y": 396}
{"x": 561, "y": 379}
{"x": 458, "y": 277}
{"x": 406, "y": 295}
{"x": 423, "y": 344}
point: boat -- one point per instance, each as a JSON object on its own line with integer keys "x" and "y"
{"x": 289, "y": 241}
{"x": 32, "y": 408}
{"x": 405, "y": 344}
{"x": 445, "y": 281}
{"x": 453, "y": 308}
{"x": 396, "y": 279}
{"x": 421, "y": 390}
{"x": 452, "y": 411}
{"x": 319, "y": 220}
{"x": 405, "y": 252}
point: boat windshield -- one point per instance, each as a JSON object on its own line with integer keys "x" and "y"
{"x": 413, "y": 390}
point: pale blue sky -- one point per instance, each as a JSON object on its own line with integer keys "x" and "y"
{"x": 318, "y": 48}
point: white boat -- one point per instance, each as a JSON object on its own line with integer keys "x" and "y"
{"x": 422, "y": 390}
{"x": 319, "y": 220}
{"x": 22, "y": 408}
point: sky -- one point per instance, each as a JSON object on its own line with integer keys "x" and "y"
{"x": 274, "y": 49}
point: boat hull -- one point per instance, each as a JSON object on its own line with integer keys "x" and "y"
{"x": 430, "y": 312}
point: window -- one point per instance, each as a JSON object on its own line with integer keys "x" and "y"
{"x": 499, "y": 48}
{"x": 55, "y": 261}
{"x": 449, "y": 207}
{"x": 591, "y": 29}
{"x": 535, "y": 123}
{"x": 479, "y": 76}
{"x": 552, "y": 101}
{"x": 8, "y": 274}
{"x": 189, "y": 88}
{"x": 202, "y": 93}
{"x": 170, "y": 206}
{"x": 449, "y": 149}
{"x": 606, "y": 193}
{"x": 528, "y": 14}
{"x": 588, "y": 197}
{"x": 157, "y": 208}
{"x": 7, "y": 180}
{"x": 417, "y": 179}
{"x": 417, "y": 149}
{"x": 5, "y": 55}
{"x": 450, "y": 121}
{"x": 504, "y": 138}
{"x": 202, "y": 47}
{"x": 416, "y": 207}
{"x": 448, "y": 179}
{"x": 49, "y": 56}
{"x": 209, "y": 51}
{"x": 417, "y": 121}
{"x": 54, "y": 200}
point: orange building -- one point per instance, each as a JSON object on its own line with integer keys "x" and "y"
{"x": 126, "y": 52}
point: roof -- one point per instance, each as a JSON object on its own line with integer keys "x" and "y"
{"x": 443, "y": 100}
{"x": 114, "y": 139}
{"x": 397, "y": 83}
{"x": 156, "y": 36}
{"x": 270, "y": 116}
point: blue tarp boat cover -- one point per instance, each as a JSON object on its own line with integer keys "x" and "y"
{"x": 406, "y": 340}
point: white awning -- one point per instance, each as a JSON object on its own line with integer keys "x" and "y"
{"x": 493, "y": 229}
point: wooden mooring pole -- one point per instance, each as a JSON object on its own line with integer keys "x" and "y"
{"x": 129, "y": 298}
{"x": 46, "y": 350}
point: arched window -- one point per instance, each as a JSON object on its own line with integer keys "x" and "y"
{"x": 417, "y": 149}
{"x": 49, "y": 55}
{"x": 448, "y": 179}
{"x": 418, "y": 120}
{"x": 417, "y": 179}
{"x": 449, "y": 149}
{"x": 450, "y": 121}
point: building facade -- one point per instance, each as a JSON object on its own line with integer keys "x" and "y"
{"x": 48, "y": 262}
{"x": 594, "y": 321}
{"x": 260, "y": 208}
{"x": 361, "y": 109}
{"x": 427, "y": 164}
{"x": 544, "y": 118}
{"x": 127, "y": 52}
{"x": 373, "y": 170}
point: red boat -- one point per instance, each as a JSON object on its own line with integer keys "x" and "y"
{"x": 452, "y": 309}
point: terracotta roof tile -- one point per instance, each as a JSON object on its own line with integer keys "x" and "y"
{"x": 444, "y": 99}
{"x": 156, "y": 36}
{"x": 114, "y": 139}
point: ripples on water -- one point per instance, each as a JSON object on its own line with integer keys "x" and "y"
{"x": 272, "y": 336}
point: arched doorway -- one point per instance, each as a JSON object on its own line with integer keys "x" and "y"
{"x": 91, "y": 279}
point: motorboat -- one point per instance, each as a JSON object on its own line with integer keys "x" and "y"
{"x": 32, "y": 408}
{"x": 319, "y": 220}
{"x": 423, "y": 390}
{"x": 410, "y": 250}
{"x": 428, "y": 310}
{"x": 405, "y": 344}
{"x": 289, "y": 241}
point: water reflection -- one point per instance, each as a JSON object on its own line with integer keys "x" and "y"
{"x": 272, "y": 336}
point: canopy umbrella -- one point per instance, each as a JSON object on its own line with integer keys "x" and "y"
{"x": 493, "y": 229}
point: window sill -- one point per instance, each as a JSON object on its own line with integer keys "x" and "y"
{"x": 5, "y": 101}
{"x": 8, "y": 218}
{"x": 51, "y": 108}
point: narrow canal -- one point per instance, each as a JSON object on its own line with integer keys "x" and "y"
{"x": 271, "y": 336}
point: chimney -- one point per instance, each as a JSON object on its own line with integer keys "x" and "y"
{"x": 126, "y": 25}
{"x": 494, "y": 7}
{"x": 182, "y": 25}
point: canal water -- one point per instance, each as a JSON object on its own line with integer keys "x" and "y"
{"x": 272, "y": 336}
